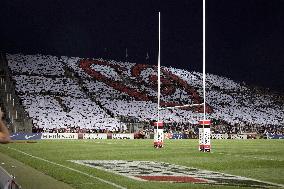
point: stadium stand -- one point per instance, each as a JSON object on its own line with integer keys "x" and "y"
{"x": 93, "y": 95}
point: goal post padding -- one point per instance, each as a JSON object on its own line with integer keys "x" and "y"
{"x": 204, "y": 135}
{"x": 158, "y": 134}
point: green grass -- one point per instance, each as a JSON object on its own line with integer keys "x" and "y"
{"x": 258, "y": 159}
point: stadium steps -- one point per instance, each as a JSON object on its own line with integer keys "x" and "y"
{"x": 70, "y": 73}
{"x": 63, "y": 106}
{"x": 23, "y": 123}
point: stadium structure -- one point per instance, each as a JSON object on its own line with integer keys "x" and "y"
{"x": 48, "y": 93}
{"x": 64, "y": 112}
{"x": 49, "y": 97}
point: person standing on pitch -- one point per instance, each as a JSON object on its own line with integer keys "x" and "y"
{"x": 4, "y": 133}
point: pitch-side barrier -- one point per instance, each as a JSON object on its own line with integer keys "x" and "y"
{"x": 76, "y": 136}
{"x": 7, "y": 181}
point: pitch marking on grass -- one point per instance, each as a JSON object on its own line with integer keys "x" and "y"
{"x": 69, "y": 168}
{"x": 161, "y": 171}
{"x": 254, "y": 157}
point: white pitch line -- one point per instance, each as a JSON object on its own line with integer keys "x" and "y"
{"x": 254, "y": 157}
{"x": 69, "y": 168}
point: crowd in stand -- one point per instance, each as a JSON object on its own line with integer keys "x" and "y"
{"x": 106, "y": 71}
{"x": 58, "y": 103}
{"x": 36, "y": 129}
{"x": 177, "y": 128}
{"x": 55, "y": 101}
{"x": 234, "y": 103}
{"x": 101, "y": 89}
{"x": 39, "y": 84}
{"x": 48, "y": 112}
{"x": 35, "y": 64}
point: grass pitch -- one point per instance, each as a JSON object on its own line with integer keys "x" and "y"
{"x": 259, "y": 159}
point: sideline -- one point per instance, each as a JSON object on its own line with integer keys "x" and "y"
{"x": 25, "y": 173}
{"x": 69, "y": 168}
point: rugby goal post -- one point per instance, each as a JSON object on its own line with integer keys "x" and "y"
{"x": 158, "y": 126}
{"x": 204, "y": 125}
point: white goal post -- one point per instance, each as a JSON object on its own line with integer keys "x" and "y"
{"x": 204, "y": 128}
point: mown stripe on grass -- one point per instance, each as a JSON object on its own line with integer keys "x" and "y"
{"x": 69, "y": 168}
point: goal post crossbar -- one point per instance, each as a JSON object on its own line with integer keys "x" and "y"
{"x": 183, "y": 106}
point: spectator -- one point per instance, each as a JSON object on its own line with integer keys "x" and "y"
{"x": 4, "y": 133}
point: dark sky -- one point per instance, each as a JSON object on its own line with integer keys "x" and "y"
{"x": 244, "y": 38}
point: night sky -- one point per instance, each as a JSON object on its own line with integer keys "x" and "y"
{"x": 244, "y": 38}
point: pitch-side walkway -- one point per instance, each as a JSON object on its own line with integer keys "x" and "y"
{"x": 28, "y": 177}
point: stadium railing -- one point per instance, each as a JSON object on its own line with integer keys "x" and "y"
{"x": 7, "y": 181}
